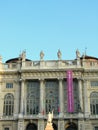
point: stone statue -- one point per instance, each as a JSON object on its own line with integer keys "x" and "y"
{"x": 78, "y": 54}
{"x": 59, "y": 54}
{"x": 49, "y": 125}
{"x": 23, "y": 55}
{"x": 41, "y": 55}
{"x": 50, "y": 117}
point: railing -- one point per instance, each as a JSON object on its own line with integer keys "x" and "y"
{"x": 52, "y": 64}
{"x": 63, "y": 116}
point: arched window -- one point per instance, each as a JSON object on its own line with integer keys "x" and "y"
{"x": 32, "y": 97}
{"x": 51, "y": 100}
{"x": 94, "y": 103}
{"x": 32, "y": 104}
{"x": 8, "y": 105}
{"x": 31, "y": 126}
{"x": 71, "y": 126}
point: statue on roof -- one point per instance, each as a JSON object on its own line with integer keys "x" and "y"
{"x": 41, "y": 55}
{"x": 78, "y": 55}
{"x": 59, "y": 54}
{"x": 23, "y": 55}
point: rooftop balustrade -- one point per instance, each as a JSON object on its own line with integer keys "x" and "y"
{"x": 52, "y": 64}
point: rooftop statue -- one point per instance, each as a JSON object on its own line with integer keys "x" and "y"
{"x": 41, "y": 55}
{"x": 59, "y": 54}
{"x": 78, "y": 55}
{"x": 23, "y": 55}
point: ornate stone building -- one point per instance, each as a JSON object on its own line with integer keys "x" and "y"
{"x": 29, "y": 90}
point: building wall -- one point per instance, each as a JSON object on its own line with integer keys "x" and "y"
{"x": 50, "y": 79}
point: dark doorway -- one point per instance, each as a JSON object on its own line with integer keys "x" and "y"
{"x": 71, "y": 126}
{"x": 31, "y": 126}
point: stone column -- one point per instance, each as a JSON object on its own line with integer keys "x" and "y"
{"x": 22, "y": 97}
{"x": 80, "y": 94}
{"x": 61, "y": 98}
{"x": 21, "y": 120}
{"x": 42, "y": 97}
{"x": 85, "y": 99}
{"x": 17, "y": 98}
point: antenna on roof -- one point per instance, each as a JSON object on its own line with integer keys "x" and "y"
{"x": 85, "y": 50}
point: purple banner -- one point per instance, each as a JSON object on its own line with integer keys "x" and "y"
{"x": 70, "y": 97}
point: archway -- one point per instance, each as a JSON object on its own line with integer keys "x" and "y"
{"x": 31, "y": 126}
{"x": 71, "y": 126}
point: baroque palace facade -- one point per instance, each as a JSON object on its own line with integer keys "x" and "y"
{"x": 29, "y": 90}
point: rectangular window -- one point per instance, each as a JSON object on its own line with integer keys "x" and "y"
{"x": 94, "y": 83}
{"x": 96, "y": 108}
{"x": 9, "y": 85}
{"x": 6, "y": 128}
{"x": 96, "y": 128}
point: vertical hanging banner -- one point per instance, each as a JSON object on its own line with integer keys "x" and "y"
{"x": 70, "y": 97}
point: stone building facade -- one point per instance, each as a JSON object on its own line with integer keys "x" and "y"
{"x": 29, "y": 90}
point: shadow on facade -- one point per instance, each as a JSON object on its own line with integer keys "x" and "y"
{"x": 71, "y": 126}
{"x": 55, "y": 126}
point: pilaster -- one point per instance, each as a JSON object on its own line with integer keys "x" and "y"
{"x": 20, "y": 124}
{"x": 42, "y": 97}
{"x": 80, "y": 95}
{"x": 86, "y": 112}
{"x": 21, "y": 97}
{"x": 81, "y": 125}
{"x": 61, "y": 99}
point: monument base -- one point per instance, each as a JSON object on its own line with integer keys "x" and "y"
{"x": 49, "y": 126}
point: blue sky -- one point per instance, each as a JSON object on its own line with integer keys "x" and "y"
{"x": 48, "y": 25}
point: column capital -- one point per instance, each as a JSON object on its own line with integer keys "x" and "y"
{"x": 79, "y": 78}
{"x": 22, "y": 80}
{"x": 60, "y": 79}
{"x": 85, "y": 80}
{"x": 41, "y": 79}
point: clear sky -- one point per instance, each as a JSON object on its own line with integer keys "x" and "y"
{"x": 48, "y": 25}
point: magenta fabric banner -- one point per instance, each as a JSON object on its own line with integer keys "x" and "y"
{"x": 70, "y": 97}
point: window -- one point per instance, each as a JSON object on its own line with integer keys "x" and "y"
{"x": 96, "y": 128}
{"x": 94, "y": 83}
{"x": 52, "y": 99}
{"x": 9, "y": 85}
{"x": 94, "y": 103}
{"x": 33, "y": 97}
{"x": 6, "y": 128}
{"x": 8, "y": 104}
